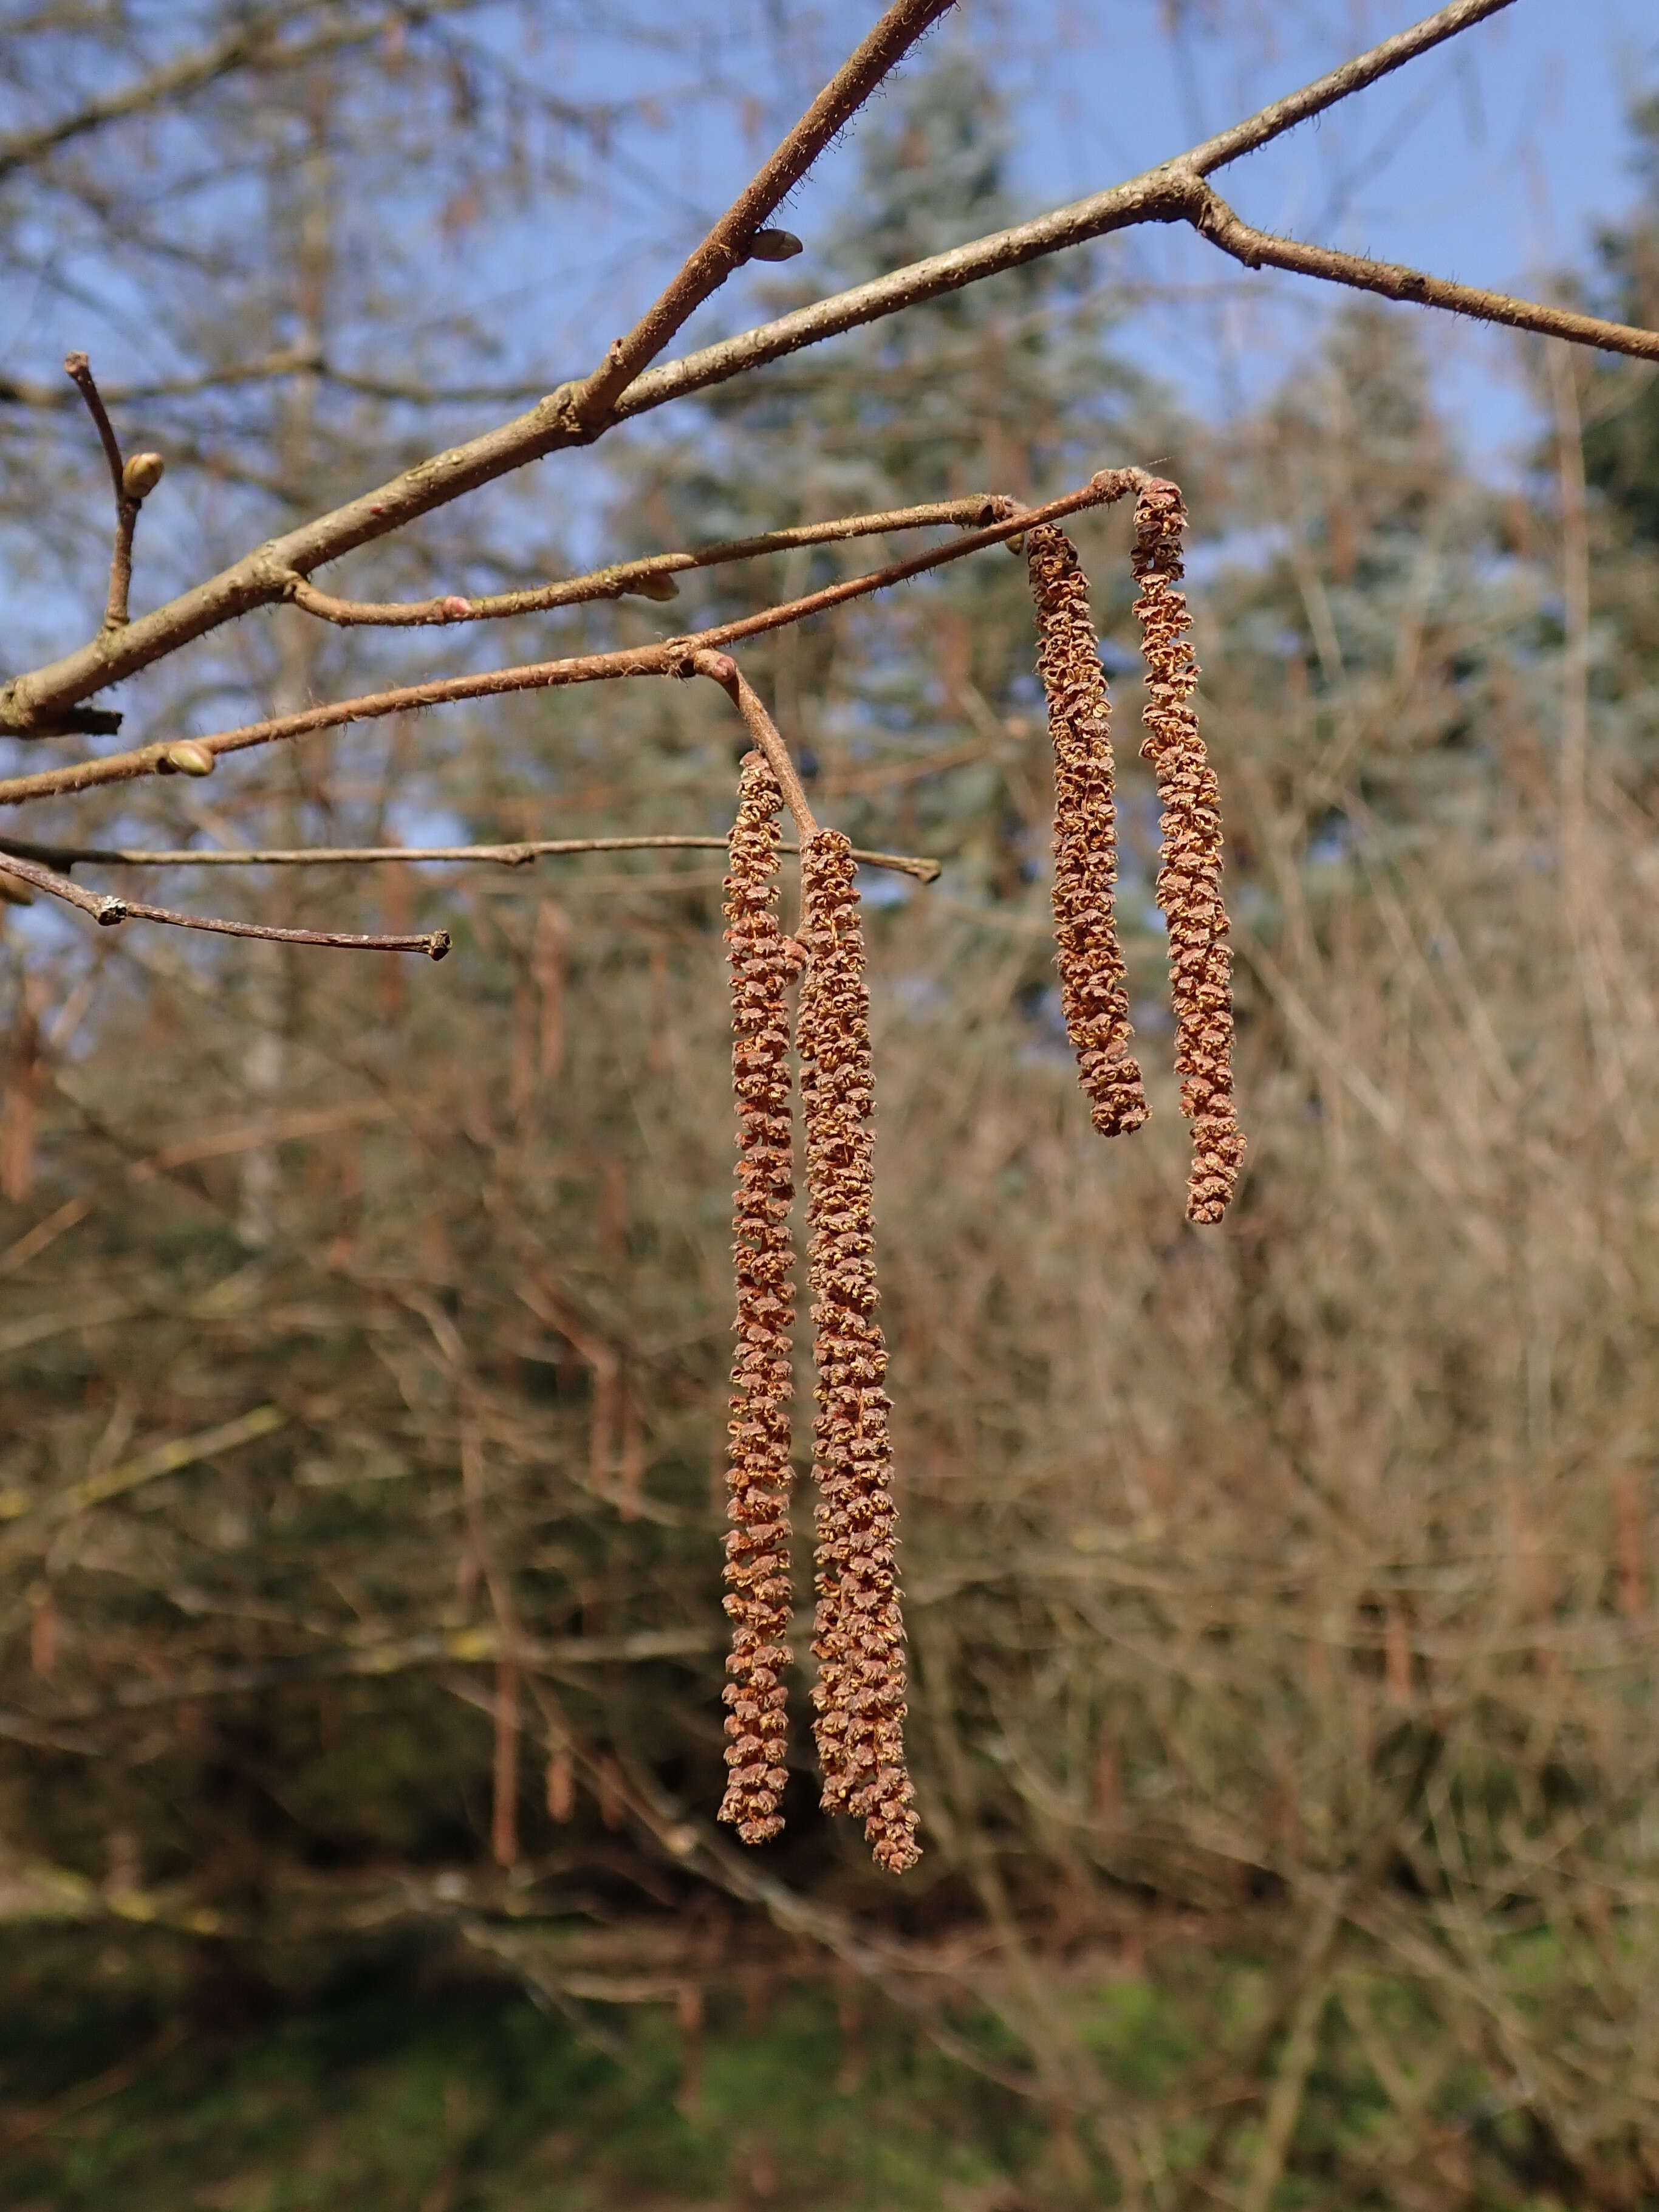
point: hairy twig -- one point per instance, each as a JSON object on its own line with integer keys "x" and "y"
{"x": 672, "y": 657}
{"x": 1094, "y": 997}
{"x": 759, "y": 1475}
{"x": 1173, "y": 191}
{"x": 624, "y": 577}
{"x": 859, "y": 1634}
{"x": 1189, "y": 878}
{"x": 726, "y": 673}
{"x": 129, "y": 480}
{"x": 110, "y": 912}
{"x": 517, "y": 855}
{"x": 725, "y": 248}
{"x": 1212, "y": 218}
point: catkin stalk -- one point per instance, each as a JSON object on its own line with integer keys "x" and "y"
{"x": 1093, "y": 994}
{"x": 859, "y": 1634}
{"x": 1190, "y": 877}
{"x": 757, "y": 1584}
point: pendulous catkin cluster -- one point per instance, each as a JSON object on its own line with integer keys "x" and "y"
{"x": 859, "y": 1635}
{"x": 758, "y": 1470}
{"x": 1189, "y": 878}
{"x": 1092, "y": 993}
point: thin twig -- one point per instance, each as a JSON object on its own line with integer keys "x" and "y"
{"x": 733, "y": 681}
{"x": 724, "y": 249}
{"x": 1212, "y": 217}
{"x": 617, "y": 581}
{"x": 34, "y": 704}
{"x": 672, "y": 657}
{"x": 517, "y": 855}
{"x": 108, "y": 912}
{"x": 79, "y": 369}
{"x": 1339, "y": 83}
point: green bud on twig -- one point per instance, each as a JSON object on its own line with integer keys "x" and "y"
{"x": 186, "y": 758}
{"x": 143, "y": 472}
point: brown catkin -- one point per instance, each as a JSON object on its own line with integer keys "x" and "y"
{"x": 1189, "y": 878}
{"x": 757, "y": 1587}
{"x": 859, "y": 1635}
{"x": 1092, "y": 994}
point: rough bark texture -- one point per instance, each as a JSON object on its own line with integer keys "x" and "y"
{"x": 860, "y": 1639}
{"x": 1190, "y": 877}
{"x": 758, "y": 1475}
{"x": 1092, "y": 993}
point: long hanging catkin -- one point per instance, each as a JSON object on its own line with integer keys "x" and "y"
{"x": 758, "y": 1475}
{"x": 859, "y": 1635}
{"x": 1189, "y": 878}
{"x": 1092, "y": 993}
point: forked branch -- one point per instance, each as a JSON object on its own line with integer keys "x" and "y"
{"x": 731, "y": 680}
{"x": 109, "y": 913}
{"x": 38, "y": 704}
{"x": 726, "y": 246}
{"x": 644, "y": 578}
{"x": 672, "y": 657}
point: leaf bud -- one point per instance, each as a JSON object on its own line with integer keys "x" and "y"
{"x": 187, "y": 758}
{"x": 652, "y": 588}
{"x": 142, "y": 474}
{"x": 773, "y": 245}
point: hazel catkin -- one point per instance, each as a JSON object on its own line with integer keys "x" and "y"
{"x": 1190, "y": 877}
{"x": 757, "y": 1580}
{"x": 859, "y": 1633}
{"x": 1093, "y": 996}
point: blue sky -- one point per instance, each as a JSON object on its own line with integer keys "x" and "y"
{"x": 1491, "y": 159}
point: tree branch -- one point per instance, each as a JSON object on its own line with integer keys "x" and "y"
{"x": 673, "y": 657}
{"x": 109, "y": 913}
{"x": 29, "y": 705}
{"x": 764, "y": 730}
{"x": 1339, "y": 83}
{"x": 78, "y": 369}
{"x": 1212, "y": 217}
{"x": 517, "y": 855}
{"x": 625, "y": 576}
{"x": 133, "y": 481}
{"x": 592, "y": 402}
